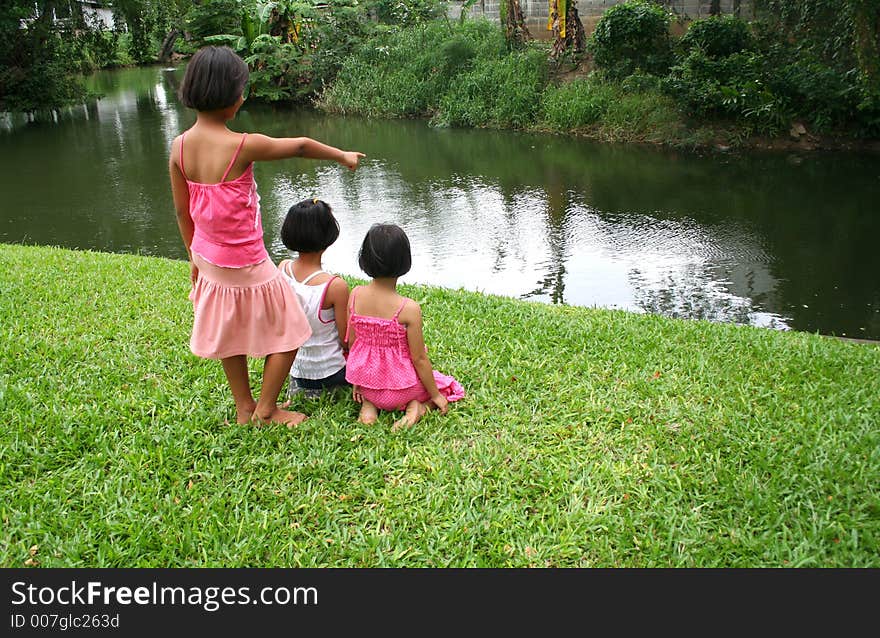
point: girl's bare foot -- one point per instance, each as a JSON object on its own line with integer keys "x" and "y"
{"x": 285, "y": 417}
{"x": 244, "y": 413}
{"x": 414, "y": 411}
{"x": 368, "y": 414}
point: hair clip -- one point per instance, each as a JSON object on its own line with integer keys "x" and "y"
{"x": 315, "y": 200}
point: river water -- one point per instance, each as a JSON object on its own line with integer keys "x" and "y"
{"x": 782, "y": 240}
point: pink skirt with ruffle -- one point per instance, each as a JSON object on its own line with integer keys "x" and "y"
{"x": 244, "y": 311}
{"x": 391, "y": 400}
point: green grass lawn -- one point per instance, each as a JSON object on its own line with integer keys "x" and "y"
{"x": 589, "y": 438}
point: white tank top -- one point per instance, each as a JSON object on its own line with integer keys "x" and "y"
{"x": 321, "y": 356}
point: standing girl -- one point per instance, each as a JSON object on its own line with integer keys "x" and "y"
{"x": 242, "y": 305}
{"x": 388, "y": 362}
{"x": 309, "y": 229}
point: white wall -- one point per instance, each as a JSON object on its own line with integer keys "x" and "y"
{"x": 536, "y": 12}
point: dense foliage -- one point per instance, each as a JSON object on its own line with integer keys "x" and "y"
{"x": 37, "y": 69}
{"x": 292, "y": 46}
{"x": 630, "y": 36}
{"x": 811, "y": 62}
{"x": 718, "y": 36}
{"x": 408, "y": 73}
{"x": 46, "y": 46}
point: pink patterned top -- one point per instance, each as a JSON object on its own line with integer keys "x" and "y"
{"x": 379, "y": 357}
{"x": 226, "y": 215}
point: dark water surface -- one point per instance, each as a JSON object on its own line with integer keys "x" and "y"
{"x": 784, "y": 241}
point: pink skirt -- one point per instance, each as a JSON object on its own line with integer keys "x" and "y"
{"x": 244, "y": 311}
{"x": 391, "y": 400}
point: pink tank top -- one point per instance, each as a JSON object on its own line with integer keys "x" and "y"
{"x": 379, "y": 359}
{"x": 226, "y": 216}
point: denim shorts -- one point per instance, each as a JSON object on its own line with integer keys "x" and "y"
{"x": 335, "y": 379}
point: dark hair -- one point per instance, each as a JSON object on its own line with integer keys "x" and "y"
{"x": 309, "y": 226}
{"x": 214, "y": 79}
{"x": 385, "y": 251}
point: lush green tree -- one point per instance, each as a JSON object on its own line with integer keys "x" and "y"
{"x": 152, "y": 23}
{"x": 38, "y": 58}
{"x": 831, "y": 49}
{"x": 844, "y": 33}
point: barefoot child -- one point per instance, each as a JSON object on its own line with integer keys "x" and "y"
{"x": 242, "y": 305}
{"x": 388, "y": 362}
{"x": 309, "y": 229}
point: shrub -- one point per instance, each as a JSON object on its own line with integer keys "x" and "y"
{"x": 816, "y": 92}
{"x": 641, "y": 116}
{"x": 868, "y": 108}
{"x": 123, "y": 50}
{"x": 99, "y": 48}
{"x": 405, "y": 73}
{"x": 184, "y": 47}
{"x": 214, "y": 17}
{"x": 576, "y": 104}
{"x": 406, "y": 12}
{"x": 718, "y": 36}
{"x": 50, "y": 82}
{"x": 632, "y": 35}
{"x": 734, "y": 86}
{"x": 331, "y": 37}
{"x": 456, "y": 54}
{"x": 504, "y": 92}
{"x": 275, "y": 74}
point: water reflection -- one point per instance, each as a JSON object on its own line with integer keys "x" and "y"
{"x": 757, "y": 239}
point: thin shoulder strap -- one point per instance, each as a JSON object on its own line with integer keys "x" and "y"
{"x": 183, "y": 135}
{"x": 234, "y": 157}
{"x": 312, "y": 276}
{"x": 324, "y": 296}
{"x": 350, "y": 312}
{"x": 399, "y": 309}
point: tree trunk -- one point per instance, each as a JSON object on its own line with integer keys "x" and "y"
{"x": 866, "y": 34}
{"x": 167, "y": 47}
{"x": 568, "y": 32}
{"x": 715, "y": 8}
{"x": 516, "y": 30}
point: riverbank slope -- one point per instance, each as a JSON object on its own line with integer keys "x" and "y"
{"x": 465, "y": 75}
{"x": 588, "y": 437}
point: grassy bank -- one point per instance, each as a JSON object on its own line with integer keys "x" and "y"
{"x": 463, "y": 74}
{"x": 588, "y": 438}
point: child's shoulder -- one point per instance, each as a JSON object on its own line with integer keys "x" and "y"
{"x": 409, "y": 306}
{"x": 336, "y": 284}
{"x": 338, "y": 281}
{"x": 179, "y": 136}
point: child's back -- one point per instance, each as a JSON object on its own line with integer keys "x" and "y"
{"x": 380, "y": 357}
{"x": 309, "y": 229}
{"x": 241, "y": 304}
{"x": 388, "y": 361}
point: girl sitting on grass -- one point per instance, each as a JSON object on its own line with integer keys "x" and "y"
{"x": 309, "y": 229}
{"x": 388, "y": 362}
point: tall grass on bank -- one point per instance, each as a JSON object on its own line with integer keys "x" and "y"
{"x": 588, "y": 437}
{"x": 634, "y": 110}
{"x": 502, "y": 93}
{"x": 462, "y": 74}
{"x": 406, "y": 73}
{"x": 456, "y": 73}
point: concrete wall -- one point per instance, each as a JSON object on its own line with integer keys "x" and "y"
{"x": 536, "y": 12}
